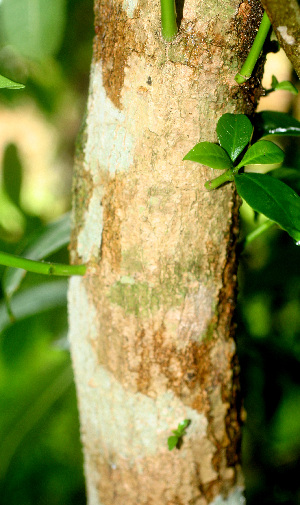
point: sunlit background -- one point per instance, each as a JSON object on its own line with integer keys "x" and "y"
{"x": 40, "y": 456}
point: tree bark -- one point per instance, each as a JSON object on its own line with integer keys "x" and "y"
{"x": 151, "y": 327}
{"x": 285, "y": 19}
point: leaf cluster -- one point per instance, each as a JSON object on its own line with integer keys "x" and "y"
{"x": 265, "y": 194}
{"x": 283, "y": 85}
{"x": 176, "y": 439}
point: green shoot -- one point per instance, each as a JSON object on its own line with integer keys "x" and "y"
{"x": 41, "y": 267}
{"x": 176, "y": 439}
{"x": 247, "y": 69}
{"x": 168, "y": 19}
{"x": 283, "y": 85}
{"x": 260, "y": 230}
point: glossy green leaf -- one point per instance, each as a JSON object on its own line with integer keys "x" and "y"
{"x": 285, "y": 85}
{"x": 209, "y": 154}
{"x": 273, "y": 198}
{"x": 262, "y": 153}
{"x": 275, "y": 123}
{"x": 46, "y": 241}
{"x": 33, "y": 27}
{"x": 7, "y": 83}
{"x": 172, "y": 442}
{"x": 234, "y": 133}
{"x": 34, "y": 300}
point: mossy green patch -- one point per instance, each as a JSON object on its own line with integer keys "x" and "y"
{"x": 134, "y": 298}
{"x": 210, "y": 330}
{"x": 131, "y": 263}
{"x": 141, "y": 298}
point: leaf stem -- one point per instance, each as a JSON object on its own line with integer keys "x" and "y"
{"x": 257, "y": 232}
{"x": 41, "y": 267}
{"x": 247, "y": 68}
{"x": 218, "y": 181}
{"x": 168, "y": 19}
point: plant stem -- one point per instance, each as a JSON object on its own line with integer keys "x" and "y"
{"x": 247, "y": 68}
{"x": 168, "y": 19}
{"x": 257, "y": 232}
{"x": 41, "y": 267}
{"x": 218, "y": 181}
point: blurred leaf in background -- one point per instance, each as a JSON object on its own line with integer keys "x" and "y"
{"x": 48, "y": 47}
{"x": 35, "y": 28}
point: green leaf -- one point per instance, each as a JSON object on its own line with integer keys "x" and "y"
{"x": 34, "y": 300}
{"x": 274, "y": 82}
{"x": 275, "y": 123}
{"x": 234, "y": 133}
{"x": 285, "y": 85}
{"x": 183, "y": 425}
{"x": 172, "y": 442}
{"x": 262, "y": 153}
{"x": 209, "y": 154}
{"x": 33, "y": 27}
{"x": 12, "y": 173}
{"x": 7, "y": 83}
{"x": 273, "y": 198}
{"x": 46, "y": 241}
{"x": 290, "y": 176}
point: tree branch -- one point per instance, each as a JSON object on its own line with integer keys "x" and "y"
{"x": 285, "y": 19}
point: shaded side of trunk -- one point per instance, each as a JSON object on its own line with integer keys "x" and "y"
{"x": 151, "y": 324}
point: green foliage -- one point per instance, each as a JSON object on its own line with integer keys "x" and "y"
{"x": 271, "y": 197}
{"x": 12, "y": 174}
{"x": 33, "y": 27}
{"x": 284, "y": 85}
{"x": 262, "y": 153}
{"x": 41, "y": 457}
{"x": 269, "y": 122}
{"x": 45, "y": 241}
{"x": 33, "y": 300}
{"x": 8, "y": 83}
{"x": 176, "y": 439}
{"x": 268, "y": 340}
{"x": 234, "y": 133}
{"x": 209, "y": 154}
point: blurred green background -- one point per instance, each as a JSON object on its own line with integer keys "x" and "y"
{"x": 40, "y": 453}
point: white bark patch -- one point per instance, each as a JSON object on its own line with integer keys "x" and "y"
{"x": 133, "y": 425}
{"x": 89, "y": 238}
{"x": 235, "y": 498}
{"x": 108, "y": 146}
{"x": 129, "y": 6}
{"x": 289, "y": 39}
{"x": 108, "y": 149}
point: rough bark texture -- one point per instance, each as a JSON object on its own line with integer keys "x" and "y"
{"x": 151, "y": 324}
{"x": 285, "y": 19}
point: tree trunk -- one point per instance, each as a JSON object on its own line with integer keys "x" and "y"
{"x": 151, "y": 323}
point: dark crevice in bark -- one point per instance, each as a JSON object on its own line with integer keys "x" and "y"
{"x": 179, "y": 10}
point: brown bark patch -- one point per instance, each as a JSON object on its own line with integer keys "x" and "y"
{"x": 189, "y": 371}
{"x": 111, "y": 236}
{"x": 231, "y": 393}
{"x": 115, "y": 39}
{"x": 82, "y": 193}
